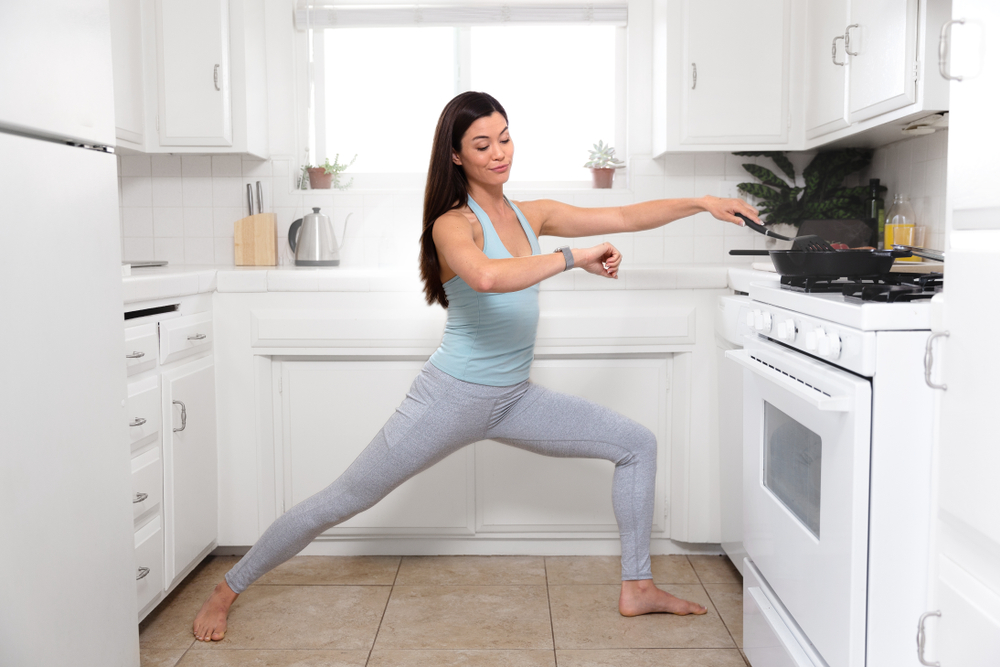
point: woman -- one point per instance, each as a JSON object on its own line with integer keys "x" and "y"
{"x": 480, "y": 259}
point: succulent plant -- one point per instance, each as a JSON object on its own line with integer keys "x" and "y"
{"x": 603, "y": 157}
{"x": 824, "y": 197}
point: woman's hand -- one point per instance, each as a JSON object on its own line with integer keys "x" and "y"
{"x": 601, "y": 260}
{"x": 726, "y": 209}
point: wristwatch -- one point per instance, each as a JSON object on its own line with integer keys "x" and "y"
{"x": 567, "y": 255}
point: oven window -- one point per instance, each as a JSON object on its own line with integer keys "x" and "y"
{"x": 793, "y": 460}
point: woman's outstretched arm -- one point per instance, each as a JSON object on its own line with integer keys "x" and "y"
{"x": 558, "y": 219}
{"x": 459, "y": 255}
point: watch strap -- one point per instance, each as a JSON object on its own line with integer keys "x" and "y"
{"x": 567, "y": 255}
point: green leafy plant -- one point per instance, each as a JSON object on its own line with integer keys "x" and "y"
{"x": 336, "y": 169}
{"x": 823, "y": 197}
{"x": 603, "y": 157}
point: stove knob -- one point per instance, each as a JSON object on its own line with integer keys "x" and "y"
{"x": 758, "y": 320}
{"x": 835, "y": 345}
{"x": 790, "y": 329}
{"x": 750, "y": 319}
{"x": 782, "y": 330}
{"x": 811, "y": 339}
{"x": 766, "y": 322}
{"x": 823, "y": 343}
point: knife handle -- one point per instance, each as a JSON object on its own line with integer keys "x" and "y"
{"x": 260, "y": 198}
{"x": 250, "y": 198}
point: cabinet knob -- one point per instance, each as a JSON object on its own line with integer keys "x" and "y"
{"x": 135, "y": 355}
{"x": 184, "y": 416}
{"x": 833, "y": 51}
{"x": 142, "y": 572}
{"x": 215, "y": 77}
{"x": 139, "y": 497}
{"x": 197, "y": 336}
{"x": 847, "y": 39}
{"x": 138, "y": 421}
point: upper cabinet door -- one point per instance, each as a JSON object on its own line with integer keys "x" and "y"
{"x": 826, "y": 58}
{"x": 734, "y": 77}
{"x": 55, "y": 70}
{"x": 193, "y": 73}
{"x": 126, "y": 50}
{"x": 882, "y": 42}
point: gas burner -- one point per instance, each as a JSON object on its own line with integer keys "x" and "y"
{"x": 886, "y": 287}
{"x": 825, "y": 284}
{"x": 888, "y": 293}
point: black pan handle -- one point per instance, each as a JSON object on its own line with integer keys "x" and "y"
{"x": 749, "y": 252}
{"x": 761, "y": 229}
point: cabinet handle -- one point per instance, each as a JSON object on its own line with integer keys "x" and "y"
{"x": 143, "y": 571}
{"x": 694, "y": 75}
{"x": 847, "y": 39}
{"x": 921, "y": 637}
{"x": 929, "y": 360}
{"x": 138, "y": 421}
{"x": 184, "y": 416}
{"x": 139, "y": 497}
{"x": 215, "y": 77}
{"x": 197, "y": 336}
{"x": 944, "y": 50}
{"x": 135, "y": 355}
{"x": 833, "y": 51}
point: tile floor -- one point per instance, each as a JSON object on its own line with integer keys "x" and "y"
{"x": 473, "y": 611}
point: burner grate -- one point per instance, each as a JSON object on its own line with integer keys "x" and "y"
{"x": 886, "y": 288}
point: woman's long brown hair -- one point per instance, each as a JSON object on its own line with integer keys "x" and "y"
{"x": 447, "y": 187}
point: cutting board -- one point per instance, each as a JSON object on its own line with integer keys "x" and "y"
{"x": 255, "y": 240}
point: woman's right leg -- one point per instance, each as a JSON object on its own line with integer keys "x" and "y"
{"x": 435, "y": 419}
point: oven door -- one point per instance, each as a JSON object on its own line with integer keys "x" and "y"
{"x": 806, "y": 450}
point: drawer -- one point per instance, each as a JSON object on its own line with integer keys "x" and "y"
{"x": 142, "y": 409}
{"x": 770, "y": 638}
{"x": 184, "y": 336}
{"x": 147, "y": 482}
{"x": 149, "y": 562}
{"x": 141, "y": 346}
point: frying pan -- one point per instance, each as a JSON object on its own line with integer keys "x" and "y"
{"x": 853, "y": 263}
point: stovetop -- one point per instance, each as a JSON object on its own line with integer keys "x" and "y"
{"x": 889, "y": 302}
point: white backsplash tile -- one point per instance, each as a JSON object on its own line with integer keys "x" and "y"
{"x": 137, "y": 221}
{"x": 166, "y": 165}
{"x": 199, "y": 251}
{"x": 168, "y": 222}
{"x": 197, "y": 191}
{"x": 137, "y": 191}
{"x": 167, "y": 191}
{"x": 198, "y": 222}
{"x": 196, "y": 165}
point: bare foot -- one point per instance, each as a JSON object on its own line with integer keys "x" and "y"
{"x": 210, "y": 623}
{"x": 642, "y": 597}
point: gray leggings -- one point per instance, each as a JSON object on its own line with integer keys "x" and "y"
{"x": 442, "y": 414}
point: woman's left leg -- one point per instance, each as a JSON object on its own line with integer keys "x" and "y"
{"x": 554, "y": 424}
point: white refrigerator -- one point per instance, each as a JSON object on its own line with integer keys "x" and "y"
{"x": 67, "y": 590}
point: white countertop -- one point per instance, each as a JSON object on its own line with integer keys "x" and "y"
{"x": 148, "y": 284}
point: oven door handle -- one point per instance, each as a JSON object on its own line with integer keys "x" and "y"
{"x": 813, "y": 397}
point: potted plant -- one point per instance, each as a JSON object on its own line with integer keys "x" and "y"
{"x": 602, "y": 165}
{"x": 327, "y": 174}
{"x": 822, "y": 204}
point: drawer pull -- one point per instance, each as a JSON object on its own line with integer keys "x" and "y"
{"x": 184, "y": 416}
{"x": 135, "y": 355}
{"x": 197, "y": 336}
{"x": 139, "y": 497}
{"x": 138, "y": 421}
{"x": 143, "y": 571}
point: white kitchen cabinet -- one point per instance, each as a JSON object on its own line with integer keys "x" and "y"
{"x": 328, "y": 412}
{"x": 721, "y": 74}
{"x": 869, "y": 64}
{"x": 190, "y": 466}
{"x": 127, "y": 63}
{"x": 522, "y": 492}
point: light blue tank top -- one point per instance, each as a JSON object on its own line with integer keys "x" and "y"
{"x": 489, "y": 337}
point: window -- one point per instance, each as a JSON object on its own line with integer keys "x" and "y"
{"x": 377, "y": 90}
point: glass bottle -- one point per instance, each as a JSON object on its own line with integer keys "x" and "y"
{"x": 900, "y": 216}
{"x": 875, "y": 213}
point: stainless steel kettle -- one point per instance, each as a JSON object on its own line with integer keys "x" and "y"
{"x": 312, "y": 240}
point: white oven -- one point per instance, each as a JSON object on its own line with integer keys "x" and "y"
{"x": 837, "y": 455}
{"x": 807, "y": 435}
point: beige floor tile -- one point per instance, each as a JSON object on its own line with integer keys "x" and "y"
{"x": 683, "y": 657}
{"x": 304, "y": 617}
{"x": 728, "y": 600}
{"x": 472, "y": 571}
{"x": 586, "y": 617}
{"x": 715, "y": 570}
{"x": 295, "y": 658}
{"x": 462, "y": 659}
{"x": 673, "y": 570}
{"x": 334, "y": 571}
{"x": 159, "y": 657}
{"x": 466, "y": 617}
{"x": 565, "y": 570}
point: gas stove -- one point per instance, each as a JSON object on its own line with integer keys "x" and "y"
{"x": 886, "y": 288}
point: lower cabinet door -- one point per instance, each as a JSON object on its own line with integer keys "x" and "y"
{"x": 190, "y": 465}
{"x": 148, "y": 562}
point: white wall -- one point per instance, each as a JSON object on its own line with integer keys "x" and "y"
{"x": 182, "y": 209}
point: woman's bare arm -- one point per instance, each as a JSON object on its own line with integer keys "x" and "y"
{"x": 555, "y": 218}
{"x": 459, "y": 253}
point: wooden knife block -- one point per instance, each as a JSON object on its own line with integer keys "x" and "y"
{"x": 255, "y": 240}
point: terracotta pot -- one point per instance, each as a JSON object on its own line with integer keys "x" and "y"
{"x": 319, "y": 179}
{"x": 603, "y": 178}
